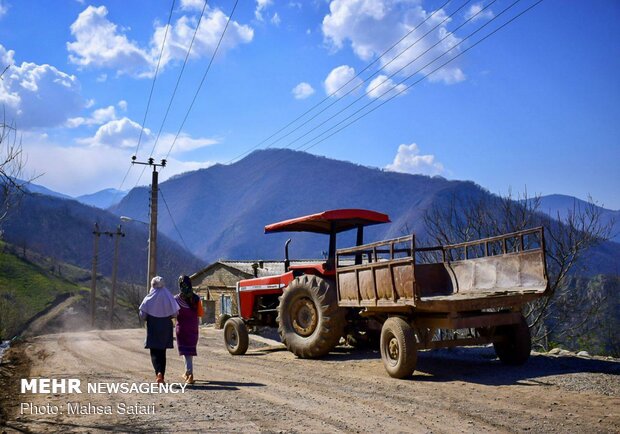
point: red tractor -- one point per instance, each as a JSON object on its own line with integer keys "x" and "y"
{"x": 302, "y": 302}
{"x": 406, "y": 293}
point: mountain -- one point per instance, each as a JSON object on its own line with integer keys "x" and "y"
{"x": 556, "y": 205}
{"x": 221, "y": 211}
{"x": 39, "y": 189}
{"x": 63, "y": 229}
{"x": 102, "y": 199}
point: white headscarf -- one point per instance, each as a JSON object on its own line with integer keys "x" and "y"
{"x": 159, "y": 302}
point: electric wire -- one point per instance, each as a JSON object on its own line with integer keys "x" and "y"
{"x": 386, "y": 80}
{"x": 432, "y": 72}
{"x": 161, "y": 52}
{"x": 350, "y": 91}
{"x": 148, "y": 103}
{"x": 176, "y": 86}
{"x": 351, "y": 79}
{"x": 382, "y": 103}
{"x": 395, "y": 86}
{"x": 173, "y": 222}
{"x": 219, "y": 42}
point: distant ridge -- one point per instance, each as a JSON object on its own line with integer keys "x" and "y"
{"x": 102, "y": 199}
{"x": 221, "y": 211}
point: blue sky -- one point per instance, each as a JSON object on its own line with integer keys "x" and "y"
{"x": 536, "y": 105}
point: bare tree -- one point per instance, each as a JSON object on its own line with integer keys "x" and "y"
{"x": 133, "y": 294}
{"x": 567, "y": 310}
{"x": 12, "y": 165}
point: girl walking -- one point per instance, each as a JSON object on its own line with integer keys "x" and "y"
{"x": 188, "y": 319}
{"x": 158, "y": 308}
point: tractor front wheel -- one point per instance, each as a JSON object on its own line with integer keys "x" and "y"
{"x": 310, "y": 322}
{"x": 236, "y": 336}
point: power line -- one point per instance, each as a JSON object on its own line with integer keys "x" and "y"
{"x": 161, "y": 52}
{"x": 389, "y": 77}
{"x": 176, "y": 86}
{"x": 148, "y": 103}
{"x": 353, "y": 78}
{"x": 173, "y": 222}
{"x": 219, "y": 42}
{"x": 407, "y": 78}
{"x": 179, "y": 78}
{"x": 432, "y": 72}
{"x": 407, "y": 65}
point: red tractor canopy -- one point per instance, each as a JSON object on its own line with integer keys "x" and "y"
{"x": 328, "y": 222}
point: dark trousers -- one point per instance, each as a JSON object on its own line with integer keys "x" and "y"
{"x": 158, "y": 358}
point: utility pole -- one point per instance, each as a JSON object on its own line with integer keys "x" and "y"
{"x": 152, "y": 261}
{"x": 93, "y": 284}
{"x": 117, "y": 236}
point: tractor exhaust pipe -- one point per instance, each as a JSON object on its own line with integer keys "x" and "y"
{"x": 287, "y": 262}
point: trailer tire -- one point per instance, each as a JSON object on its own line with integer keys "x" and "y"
{"x": 236, "y": 336}
{"x": 398, "y": 348}
{"x": 310, "y": 323}
{"x": 516, "y": 345}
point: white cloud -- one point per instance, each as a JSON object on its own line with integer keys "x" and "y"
{"x": 371, "y": 26}
{"x": 261, "y": 5}
{"x": 184, "y": 143}
{"x": 409, "y": 160}
{"x": 341, "y": 80}
{"x": 37, "y": 95}
{"x": 99, "y": 43}
{"x": 384, "y": 88}
{"x": 275, "y": 19}
{"x": 124, "y": 133}
{"x": 102, "y": 78}
{"x": 98, "y": 117}
{"x": 122, "y": 104}
{"x": 192, "y": 4}
{"x": 302, "y": 91}
{"x": 211, "y": 27}
{"x": 119, "y": 133}
{"x": 82, "y": 171}
{"x": 4, "y": 8}
{"x": 475, "y": 11}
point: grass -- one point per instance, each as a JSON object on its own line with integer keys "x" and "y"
{"x": 26, "y": 288}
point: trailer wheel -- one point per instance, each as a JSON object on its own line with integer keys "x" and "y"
{"x": 310, "y": 323}
{"x": 398, "y": 348}
{"x": 516, "y": 345}
{"x": 236, "y": 336}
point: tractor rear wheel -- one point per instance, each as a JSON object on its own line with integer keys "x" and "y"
{"x": 236, "y": 336}
{"x": 310, "y": 322}
{"x": 516, "y": 343}
{"x": 398, "y": 347}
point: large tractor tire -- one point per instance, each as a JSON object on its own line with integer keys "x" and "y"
{"x": 516, "y": 344}
{"x": 236, "y": 336}
{"x": 398, "y": 348}
{"x": 310, "y": 322}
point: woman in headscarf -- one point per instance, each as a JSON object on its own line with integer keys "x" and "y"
{"x": 190, "y": 312}
{"x": 158, "y": 308}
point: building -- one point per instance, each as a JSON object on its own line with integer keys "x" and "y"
{"x": 216, "y": 283}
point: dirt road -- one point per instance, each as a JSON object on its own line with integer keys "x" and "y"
{"x": 271, "y": 391}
